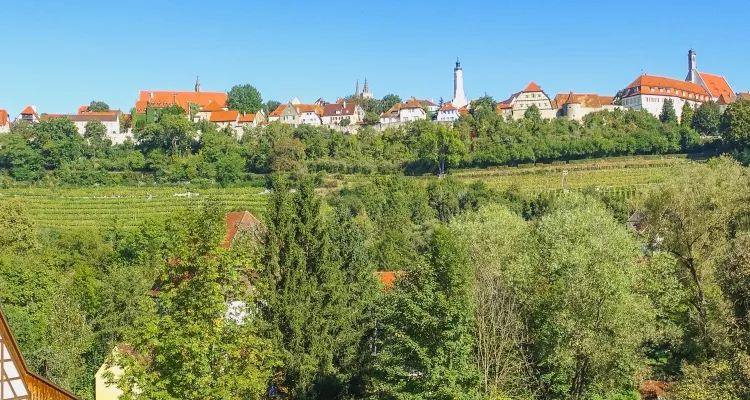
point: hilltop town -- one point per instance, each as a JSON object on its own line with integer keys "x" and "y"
{"x": 645, "y": 92}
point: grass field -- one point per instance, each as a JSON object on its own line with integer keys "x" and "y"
{"x": 99, "y": 207}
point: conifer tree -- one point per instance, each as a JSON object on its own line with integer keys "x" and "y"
{"x": 425, "y": 328}
{"x": 668, "y": 113}
{"x": 319, "y": 293}
{"x": 686, "y": 119}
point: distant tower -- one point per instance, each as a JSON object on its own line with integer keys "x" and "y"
{"x": 459, "y": 98}
{"x": 356, "y": 91}
{"x": 366, "y": 93}
{"x": 692, "y": 67}
{"x": 197, "y": 85}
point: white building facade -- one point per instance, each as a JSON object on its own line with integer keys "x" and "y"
{"x": 459, "y": 97}
{"x": 649, "y": 92}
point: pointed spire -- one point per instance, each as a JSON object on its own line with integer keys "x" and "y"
{"x": 356, "y": 91}
{"x": 367, "y": 86}
{"x": 197, "y": 84}
{"x": 458, "y": 64}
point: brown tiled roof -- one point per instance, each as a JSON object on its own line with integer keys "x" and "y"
{"x": 586, "y": 100}
{"x": 744, "y": 96}
{"x": 717, "y": 86}
{"x": 645, "y": 82}
{"x": 427, "y": 103}
{"x": 412, "y": 104}
{"x": 337, "y": 109}
{"x": 224, "y": 116}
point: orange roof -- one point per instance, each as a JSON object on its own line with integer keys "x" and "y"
{"x": 717, "y": 86}
{"x": 83, "y": 109}
{"x": 183, "y": 99}
{"x": 464, "y": 110}
{"x": 307, "y": 108}
{"x": 677, "y": 88}
{"x": 28, "y": 110}
{"x": 447, "y": 107}
{"x": 212, "y": 106}
{"x": 224, "y": 116}
{"x": 533, "y": 87}
{"x": 277, "y": 112}
{"x": 412, "y": 104}
{"x": 4, "y": 118}
{"x": 247, "y": 118}
{"x": 236, "y": 221}
{"x": 586, "y": 100}
{"x": 744, "y": 96}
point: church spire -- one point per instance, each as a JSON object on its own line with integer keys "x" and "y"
{"x": 197, "y": 85}
{"x": 459, "y": 98}
{"x": 356, "y": 91}
{"x": 366, "y": 92}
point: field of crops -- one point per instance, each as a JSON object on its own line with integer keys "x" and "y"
{"x": 100, "y": 207}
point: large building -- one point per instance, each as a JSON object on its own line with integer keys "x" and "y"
{"x": 166, "y": 98}
{"x": 459, "y": 97}
{"x": 29, "y": 115}
{"x": 17, "y": 382}
{"x": 575, "y": 106}
{"x": 649, "y": 92}
{"x": 516, "y": 105}
{"x": 412, "y": 110}
{"x": 335, "y": 113}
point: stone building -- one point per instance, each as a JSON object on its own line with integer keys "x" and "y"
{"x": 516, "y": 105}
{"x": 575, "y": 106}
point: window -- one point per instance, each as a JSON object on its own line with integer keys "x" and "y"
{"x": 668, "y": 90}
{"x": 652, "y": 90}
{"x": 661, "y": 90}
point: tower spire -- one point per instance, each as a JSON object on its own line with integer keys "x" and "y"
{"x": 197, "y": 85}
{"x": 356, "y": 91}
{"x": 459, "y": 98}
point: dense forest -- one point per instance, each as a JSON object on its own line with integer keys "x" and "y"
{"x": 496, "y": 295}
{"x": 171, "y": 149}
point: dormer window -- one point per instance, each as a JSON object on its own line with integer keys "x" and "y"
{"x": 652, "y": 90}
{"x": 661, "y": 90}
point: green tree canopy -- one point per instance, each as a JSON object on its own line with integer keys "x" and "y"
{"x": 244, "y": 98}
{"x": 98, "y": 106}
{"x": 707, "y": 118}
{"x": 686, "y": 119}
{"x": 735, "y": 124}
{"x": 668, "y": 113}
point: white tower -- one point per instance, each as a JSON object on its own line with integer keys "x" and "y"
{"x": 366, "y": 93}
{"x": 692, "y": 67}
{"x": 459, "y": 98}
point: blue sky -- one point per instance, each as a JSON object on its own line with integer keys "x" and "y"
{"x": 59, "y": 55}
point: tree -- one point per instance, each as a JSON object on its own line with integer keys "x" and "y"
{"x": 686, "y": 119}
{"x": 96, "y": 137}
{"x": 691, "y": 218}
{"x": 484, "y": 107}
{"x": 425, "y": 328}
{"x": 668, "y": 113}
{"x": 244, "y": 98}
{"x": 372, "y": 118}
{"x": 582, "y": 303}
{"x": 442, "y": 146}
{"x": 58, "y": 141}
{"x": 389, "y": 101}
{"x": 735, "y": 124}
{"x": 207, "y": 340}
{"x": 345, "y": 122}
{"x": 98, "y": 106}
{"x": 321, "y": 286}
{"x": 500, "y": 246}
{"x": 533, "y": 114}
{"x": 707, "y": 118}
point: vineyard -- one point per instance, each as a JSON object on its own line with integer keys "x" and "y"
{"x": 126, "y": 207}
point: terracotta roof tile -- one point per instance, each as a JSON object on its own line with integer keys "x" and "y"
{"x": 717, "y": 86}
{"x": 338, "y": 109}
{"x": 247, "y": 118}
{"x": 586, "y": 100}
{"x": 532, "y": 87}
{"x": 212, "y": 106}
{"x": 678, "y": 88}
{"x": 744, "y": 96}
{"x": 236, "y": 222}
{"x": 277, "y": 112}
{"x": 4, "y": 118}
{"x": 225, "y": 116}
{"x": 447, "y": 107}
{"x": 28, "y": 110}
{"x": 83, "y": 109}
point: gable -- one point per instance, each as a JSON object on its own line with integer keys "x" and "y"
{"x": 12, "y": 385}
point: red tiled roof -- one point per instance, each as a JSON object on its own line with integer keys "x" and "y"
{"x": 277, "y": 112}
{"x": 744, "y": 96}
{"x": 308, "y": 108}
{"x": 4, "y": 118}
{"x": 338, "y": 109}
{"x": 224, "y": 116}
{"x": 427, "y": 103}
{"x": 83, "y": 109}
{"x": 412, "y": 104}
{"x": 238, "y": 221}
{"x": 212, "y": 106}
{"x": 717, "y": 86}
{"x": 247, "y": 118}
{"x": 29, "y": 110}
{"x": 464, "y": 110}
{"x": 532, "y": 87}
{"x": 447, "y": 107}
{"x": 645, "y": 83}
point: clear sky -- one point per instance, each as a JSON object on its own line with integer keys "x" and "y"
{"x": 62, "y": 54}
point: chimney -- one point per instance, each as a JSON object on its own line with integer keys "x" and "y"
{"x": 344, "y": 103}
{"x": 150, "y": 95}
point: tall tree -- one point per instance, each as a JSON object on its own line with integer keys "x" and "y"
{"x": 271, "y": 106}
{"x": 533, "y": 114}
{"x": 98, "y": 106}
{"x": 389, "y": 101}
{"x": 425, "y": 328}
{"x": 735, "y": 124}
{"x": 668, "y": 113}
{"x": 707, "y": 118}
{"x": 441, "y": 146}
{"x": 207, "y": 340}
{"x": 318, "y": 293}
{"x": 686, "y": 119}
{"x": 244, "y": 98}
{"x": 97, "y": 141}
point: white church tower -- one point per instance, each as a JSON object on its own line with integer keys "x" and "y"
{"x": 692, "y": 67}
{"x": 459, "y": 98}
